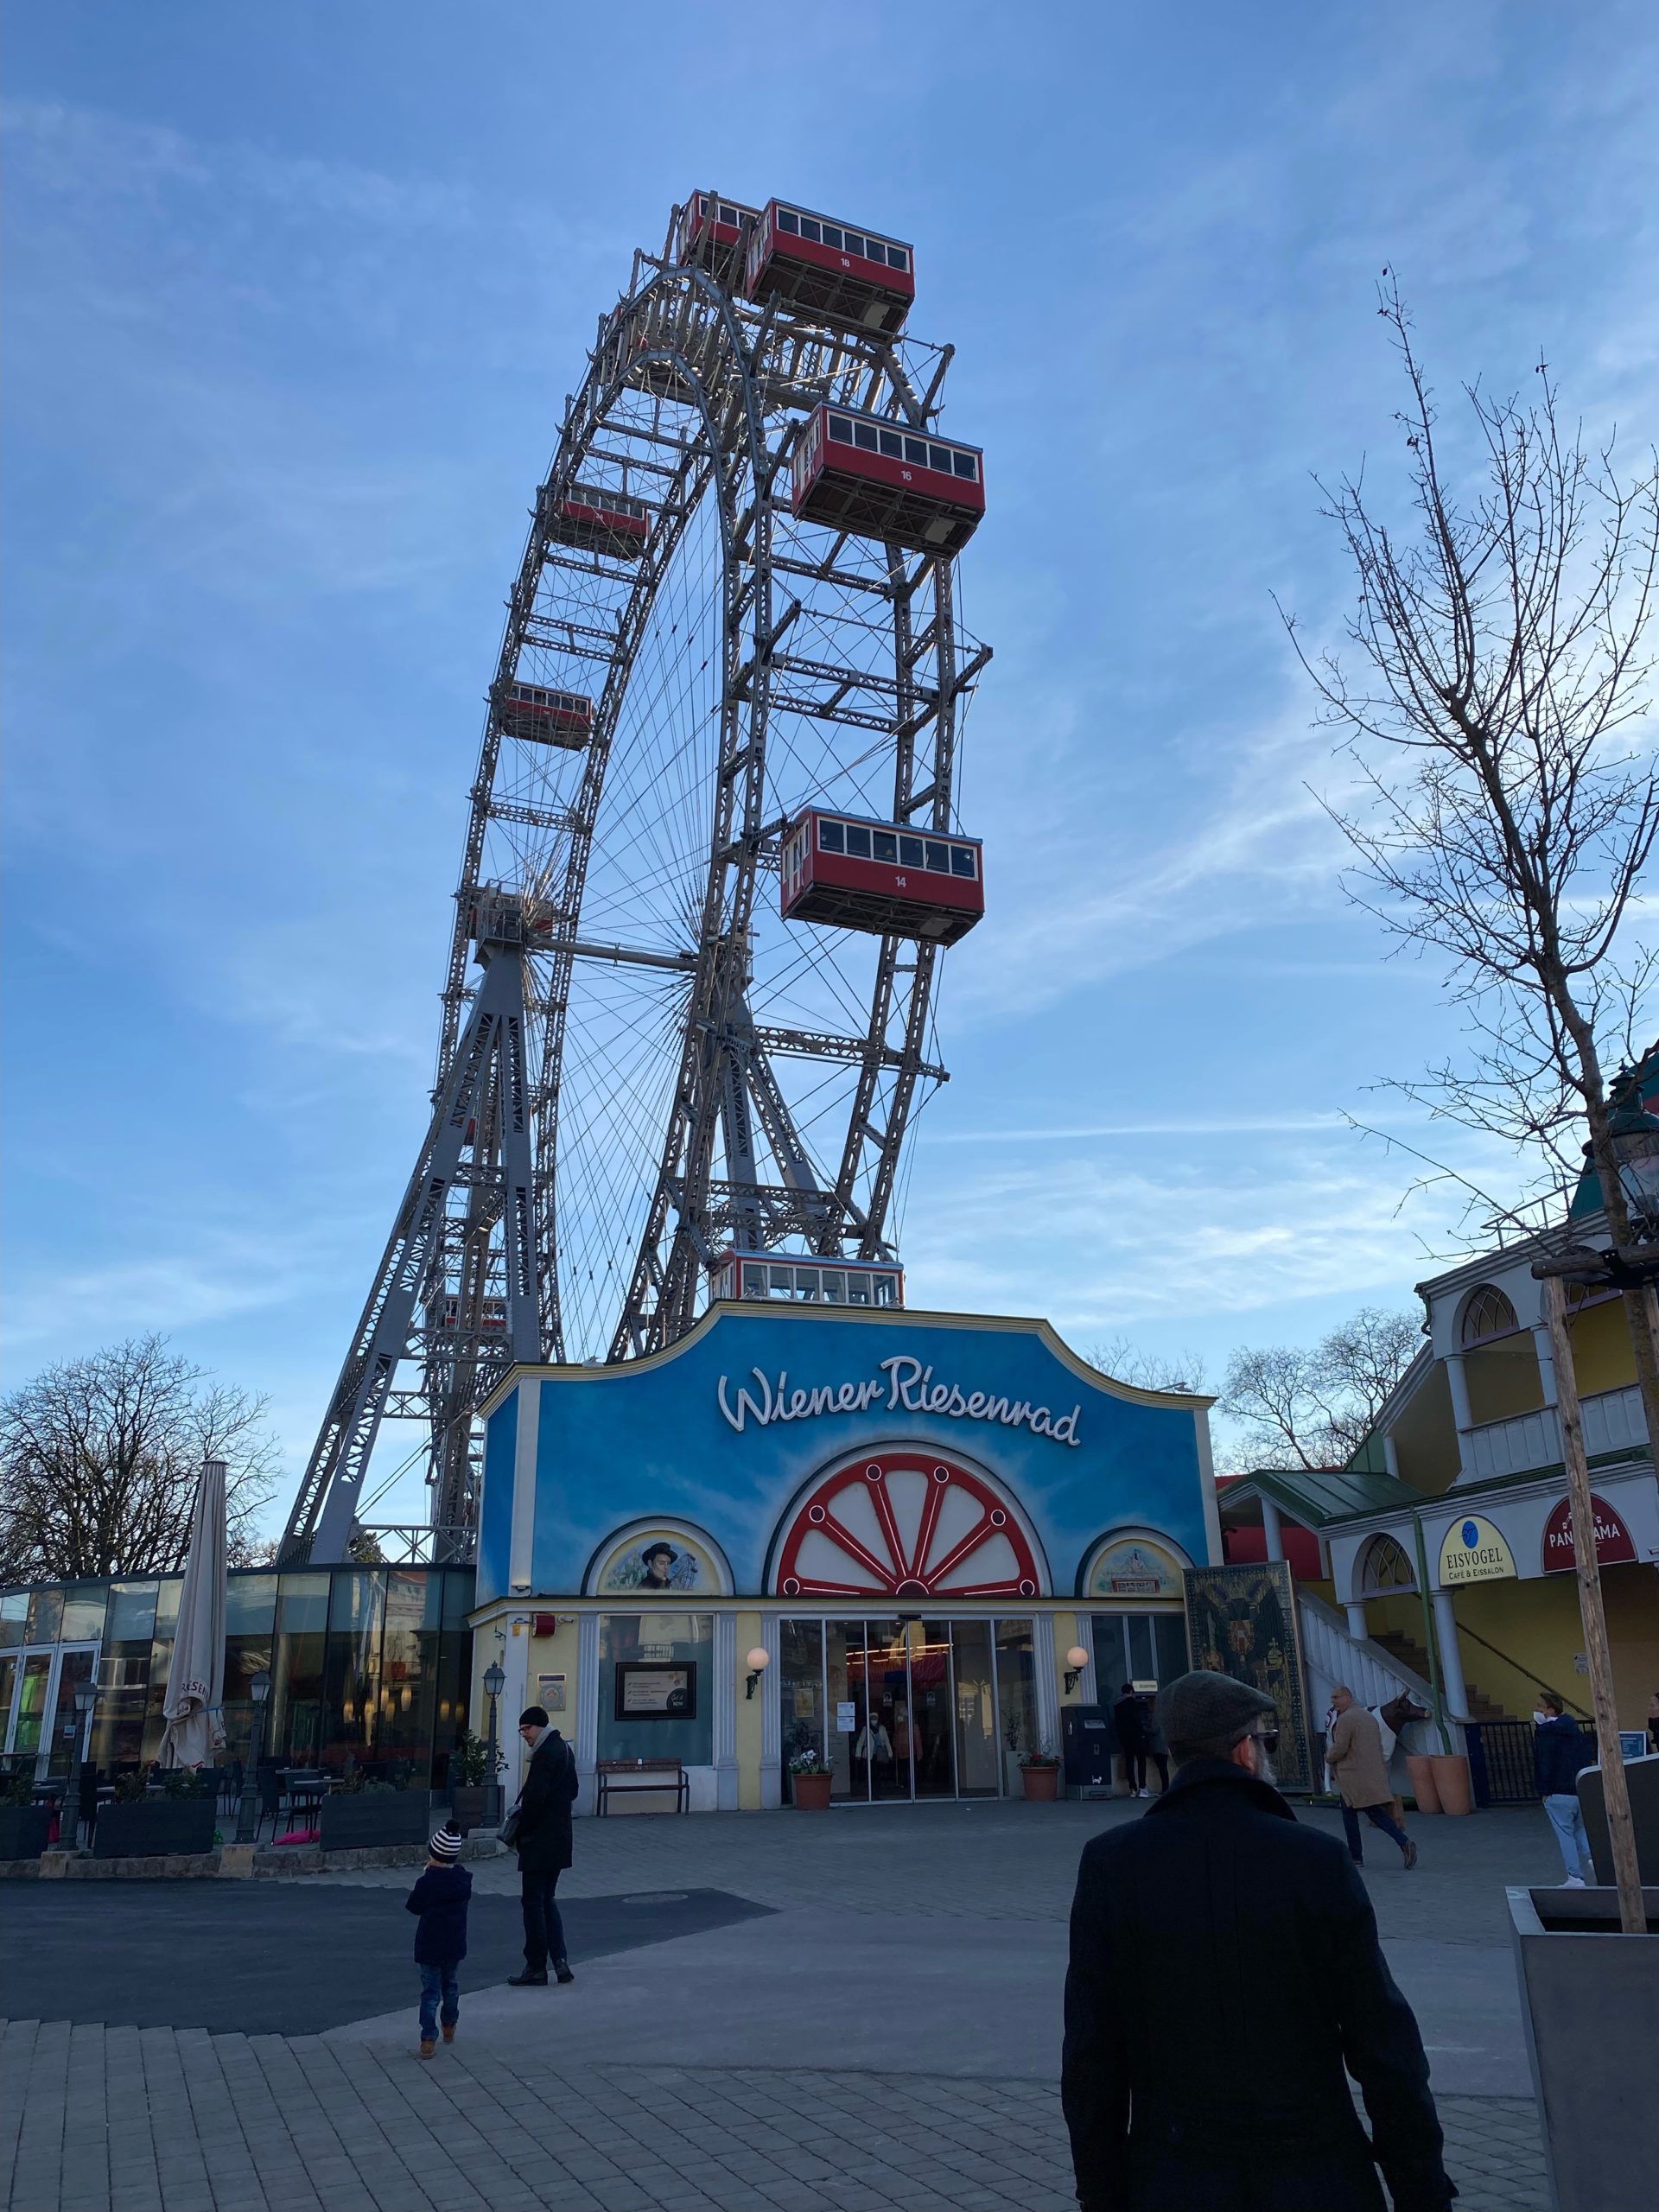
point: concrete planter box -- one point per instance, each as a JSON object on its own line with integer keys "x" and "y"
{"x": 1590, "y": 1999}
{"x": 159, "y": 1827}
{"x": 371, "y": 1820}
{"x": 25, "y": 1830}
{"x": 473, "y": 1805}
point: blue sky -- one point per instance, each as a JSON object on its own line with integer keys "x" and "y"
{"x": 295, "y": 296}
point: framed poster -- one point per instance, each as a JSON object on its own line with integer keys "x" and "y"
{"x": 1241, "y": 1621}
{"x": 650, "y": 1691}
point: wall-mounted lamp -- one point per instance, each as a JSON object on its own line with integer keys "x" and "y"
{"x": 1075, "y": 1660}
{"x": 759, "y": 1660}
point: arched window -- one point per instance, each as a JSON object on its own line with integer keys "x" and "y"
{"x": 1488, "y": 1314}
{"x": 1384, "y": 1569}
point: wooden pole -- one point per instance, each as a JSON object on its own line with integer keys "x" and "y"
{"x": 1616, "y": 1794}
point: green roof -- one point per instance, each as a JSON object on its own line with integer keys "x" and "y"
{"x": 1318, "y": 1496}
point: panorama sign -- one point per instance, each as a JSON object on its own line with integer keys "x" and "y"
{"x": 1613, "y": 1544}
{"x": 1475, "y": 1551}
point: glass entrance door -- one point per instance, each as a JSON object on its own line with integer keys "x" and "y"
{"x": 41, "y": 1724}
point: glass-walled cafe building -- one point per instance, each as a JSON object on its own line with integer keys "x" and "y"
{"x": 369, "y": 1664}
{"x": 879, "y": 1536}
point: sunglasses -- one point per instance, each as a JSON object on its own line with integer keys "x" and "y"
{"x": 1267, "y": 1738}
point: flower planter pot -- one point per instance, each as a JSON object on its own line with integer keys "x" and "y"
{"x": 1420, "y": 1767}
{"x": 474, "y": 1805}
{"x": 1589, "y": 1999}
{"x": 811, "y": 1791}
{"x": 1041, "y": 1783}
{"x": 1451, "y": 1782}
{"x": 25, "y": 1830}
{"x": 372, "y": 1820}
{"x": 160, "y": 1827}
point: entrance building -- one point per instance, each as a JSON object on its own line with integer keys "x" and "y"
{"x": 881, "y": 1537}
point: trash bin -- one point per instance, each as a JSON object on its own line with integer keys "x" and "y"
{"x": 1087, "y": 1743}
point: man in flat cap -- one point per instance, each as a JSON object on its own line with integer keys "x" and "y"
{"x": 1225, "y": 1981}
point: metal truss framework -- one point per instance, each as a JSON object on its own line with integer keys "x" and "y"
{"x": 696, "y": 1074}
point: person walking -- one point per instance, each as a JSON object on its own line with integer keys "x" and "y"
{"x": 1156, "y": 1748}
{"x": 439, "y": 1898}
{"x": 542, "y": 1838}
{"x": 1224, "y": 1971}
{"x": 1560, "y": 1751}
{"x": 1354, "y": 1754}
{"x": 1129, "y": 1718}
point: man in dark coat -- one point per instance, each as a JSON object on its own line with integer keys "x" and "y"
{"x": 1225, "y": 1970}
{"x": 543, "y": 1842}
{"x": 1129, "y": 1718}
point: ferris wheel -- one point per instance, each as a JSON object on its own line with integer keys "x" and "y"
{"x": 715, "y": 820}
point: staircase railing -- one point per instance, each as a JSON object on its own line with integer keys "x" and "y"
{"x": 1331, "y": 1656}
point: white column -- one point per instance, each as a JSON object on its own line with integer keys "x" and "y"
{"x": 1356, "y": 1627}
{"x": 1048, "y": 1699}
{"x": 1445, "y": 1634}
{"x": 1546, "y": 1362}
{"x": 588, "y": 1707}
{"x": 725, "y": 1713}
{"x": 1462, "y": 1412}
{"x": 771, "y": 1718}
{"x": 1272, "y": 1529}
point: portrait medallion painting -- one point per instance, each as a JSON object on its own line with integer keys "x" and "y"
{"x": 658, "y": 1562}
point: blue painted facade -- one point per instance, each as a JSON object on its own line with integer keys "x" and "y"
{"x": 725, "y": 1432}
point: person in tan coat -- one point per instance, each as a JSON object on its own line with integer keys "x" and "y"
{"x": 1354, "y": 1755}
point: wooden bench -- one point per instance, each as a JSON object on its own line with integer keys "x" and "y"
{"x": 627, "y": 1774}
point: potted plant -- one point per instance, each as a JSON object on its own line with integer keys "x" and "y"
{"x": 25, "y": 1827}
{"x": 363, "y": 1815}
{"x": 162, "y": 1813}
{"x": 810, "y": 1778}
{"x": 473, "y": 1796}
{"x": 1040, "y": 1774}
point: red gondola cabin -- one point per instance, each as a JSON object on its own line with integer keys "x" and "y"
{"x": 827, "y": 269}
{"x": 881, "y": 876}
{"x": 878, "y": 479}
{"x": 598, "y": 519}
{"x": 709, "y": 234}
{"x": 542, "y": 716}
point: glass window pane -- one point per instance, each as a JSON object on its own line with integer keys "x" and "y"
{"x": 830, "y": 235}
{"x": 893, "y": 445}
{"x": 976, "y": 1715}
{"x": 910, "y": 851}
{"x": 132, "y": 1615}
{"x": 1169, "y": 1640}
{"x": 939, "y": 857}
{"x": 250, "y": 1603}
{"x": 784, "y": 1278}
{"x": 653, "y": 1727}
{"x": 939, "y": 457}
{"x": 841, "y": 430}
{"x": 728, "y": 214}
{"x": 832, "y": 838}
{"x": 858, "y": 840}
{"x": 789, "y": 220}
{"x": 45, "y": 1616}
{"x": 835, "y": 1287}
{"x": 858, "y": 1288}
{"x": 885, "y": 1288}
{"x": 806, "y": 1282}
{"x": 853, "y": 242}
{"x": 1016, "y": 1697}
{"x": 915, "y": 450}
{"x": 84, "y": 1605}
{"x": 864, "y": 435}
{"x": 800, "y": 1690}
{"x": 898, "y": 258}
{"x": 886, "y": 844}
{"x": 966, "y": 466}
{"x": 962, "y": 860}
{"x": 810, "y": 228}
{"x": 14, "y": 1618}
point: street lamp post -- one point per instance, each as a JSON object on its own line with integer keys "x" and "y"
{"x": 495, "y": 1681}
{"x": 247, "y": 1811}
{"x": 85, "y": 1699}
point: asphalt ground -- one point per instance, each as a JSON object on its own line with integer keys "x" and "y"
{"x": 290, "y": 1958}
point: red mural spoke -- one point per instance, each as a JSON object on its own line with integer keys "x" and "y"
{"x": 832, "y": 1529}
{"x": 1012, "y": 1585}
{"x": 981, "y": 1533}
{"x": 930, "y": 1506}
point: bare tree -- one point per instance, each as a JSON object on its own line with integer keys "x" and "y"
{"x": 1149, "y": 1371}
{"x": 1315, "y": 1406}
{"x": 100, "y": 1459}
{"x": 1512, "y": 802}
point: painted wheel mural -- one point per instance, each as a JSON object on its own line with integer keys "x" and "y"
{"x": 906, "y": 1524}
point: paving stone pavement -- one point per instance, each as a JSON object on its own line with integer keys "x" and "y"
{"x": 159, "y": 2119}
{"x": 112, "y": 2118}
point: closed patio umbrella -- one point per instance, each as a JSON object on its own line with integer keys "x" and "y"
{"x": 195, "y": 1679}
